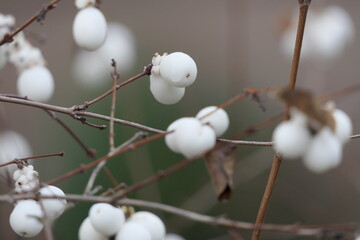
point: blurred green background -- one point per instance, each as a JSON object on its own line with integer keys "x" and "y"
{"x": 235, "y": 45}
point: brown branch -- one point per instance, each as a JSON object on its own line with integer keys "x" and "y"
{"x": 147, "y": 71}
{"x": 294, "y": 229}
{"x": 72, "y": 112}
{"x": 16, "y": 161}
{"x": 340, "y": 92}
{"x": 39, "y": 16}
{"x": 303, "y": 9}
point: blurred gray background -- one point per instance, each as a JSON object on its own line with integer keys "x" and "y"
{"x": 235, "y": 45}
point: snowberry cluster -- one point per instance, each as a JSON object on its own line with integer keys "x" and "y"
{"x": 320, "y": 151}
{"x": 89, "y": 27}
{"x": 194, "y": 136}
{"x": 35, "y": 81}
{"x": 105, "y": 220}
{"x": 170, "y": 75}
{"x": 28, "y": 216}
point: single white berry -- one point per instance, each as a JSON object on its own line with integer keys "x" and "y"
{"x": 218, "y": 119}
{"x": 164, "y": 92}
{"x": 36, "y": 83}
{"x": 80, "y": 4}
{"x": 25, "y": 219}
{"x": 53, "y": 208}
{"x": 179, "y": 69}
{"x": 89, "y": 28}
{"x": 151, "y": 222}
{"x": 195, "y": 141}
{"x": 87, "y": 231}
{"x": 133, "y": 231}
{"x": 324, "y": 152}
{"x": 190, "y": 137}
{"x": 173, "y": 236}
{"x": 170, "y": 139}
{"x": 106, "y": 219}
{"x": 343, "y": 125}
{"x": 291, "y": 139}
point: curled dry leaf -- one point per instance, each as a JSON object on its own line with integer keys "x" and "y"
{"x": 220, "y": 164}
{"x": 306, "y": 102}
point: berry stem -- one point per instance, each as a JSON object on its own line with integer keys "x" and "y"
{"x": 147, "y": 71}
{"x": 15, "y": 161}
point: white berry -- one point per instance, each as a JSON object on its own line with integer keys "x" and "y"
{"x": 53, "y": 208}
{"x": 89, "y": 28}
{"x": 151, "y": 222}
{"x": 343, "y": 127}
{"x": 170, "y": 139}
{"x": 193, "y": 141}
{"x": 179, "y": 69}
{"x": 106, "y": 219}
{"x": 324, "y": 152}
{"x": 164, "y": 92}
{"x": 218, "y": 120}
{"x": 25, "y": 219}
{"x": 87, "y": 231}
{"x": 291, "y": 139}
{"x": 133, "y": 231}
{"x": 190, "y": 137}
{"x": 36, "y": 83}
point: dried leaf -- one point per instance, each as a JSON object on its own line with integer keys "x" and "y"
{"x": 307, "y": 103}
{"x": 220, "y": 164}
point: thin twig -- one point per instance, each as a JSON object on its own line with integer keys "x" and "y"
{"x": 265, "y": 201}
{"x": 115, "y": 77}
{"x": 355, "y": 136}
{"x": 247, "y": 143}
{"x": 340, "y": 92}
{"x": 16, "y": 161}
{"x": 147, "y": 71}
{"x": 39, "y": 16}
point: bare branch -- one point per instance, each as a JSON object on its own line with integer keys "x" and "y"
{"x": 39, "y": 16}
{"x": 303, "y": 9}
